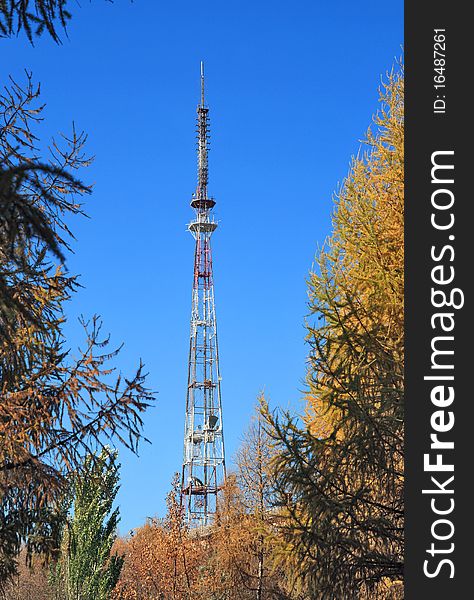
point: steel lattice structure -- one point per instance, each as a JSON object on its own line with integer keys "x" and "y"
{"x": 203, "y": 462}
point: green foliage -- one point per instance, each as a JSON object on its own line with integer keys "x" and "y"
{"x": 87, "y": 569}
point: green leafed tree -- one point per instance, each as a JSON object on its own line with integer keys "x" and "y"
{"x": 87, "y": 568}
{"x": 339, "y": 477}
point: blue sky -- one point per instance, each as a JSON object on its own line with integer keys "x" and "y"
{"x": 291, "y": 88}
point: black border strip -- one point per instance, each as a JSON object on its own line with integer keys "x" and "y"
{"x": 428, "y": 132}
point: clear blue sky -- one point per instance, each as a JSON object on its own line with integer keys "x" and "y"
{"x": 292, "y": 87}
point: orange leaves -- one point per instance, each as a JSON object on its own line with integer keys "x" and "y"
{"x": 230, "y": 559}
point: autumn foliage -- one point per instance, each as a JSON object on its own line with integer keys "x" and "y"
{"x": 340, "y": 477}
{"x": 55, "y": 405}
{"x": 314, "y": 507}
{"x": 231, "y": 559}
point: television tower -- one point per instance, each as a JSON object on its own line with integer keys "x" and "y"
{"x": 203, "y": 461}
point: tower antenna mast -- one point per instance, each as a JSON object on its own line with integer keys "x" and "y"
{"x": 202, "y": 84}
{"x": 203, "y": 471}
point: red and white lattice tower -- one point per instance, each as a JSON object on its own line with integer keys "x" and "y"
{"x": 203, "y": 461}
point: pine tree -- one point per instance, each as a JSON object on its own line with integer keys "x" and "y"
{"x": 87, "y": 569}
{"x": 54, "y": 408}
{"x": 340, "y": 478}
